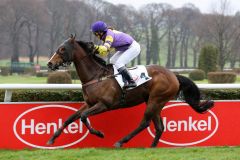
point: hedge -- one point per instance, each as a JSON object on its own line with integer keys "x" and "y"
{"x": 76, "y": 95}
{"x": 222, "y": 94}
{"x": 222, "y": 77}
{"x": 44, "y": 95}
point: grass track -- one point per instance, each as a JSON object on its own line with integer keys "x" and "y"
{"x": 195, "y": 153}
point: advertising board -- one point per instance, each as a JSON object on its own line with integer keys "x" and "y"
{"x": 30, "y": 125}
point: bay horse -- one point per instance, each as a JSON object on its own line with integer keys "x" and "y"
{"x": 102, "y": 93}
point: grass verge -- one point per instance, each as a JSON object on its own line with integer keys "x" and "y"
{"x": 195, "y": 153}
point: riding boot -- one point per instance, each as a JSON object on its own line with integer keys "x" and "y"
{"x": 127, "y": 78}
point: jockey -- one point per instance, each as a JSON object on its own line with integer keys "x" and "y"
{"x": 126, "y": 49}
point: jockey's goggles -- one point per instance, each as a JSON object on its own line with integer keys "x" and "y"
{"x": 97, "y": 34}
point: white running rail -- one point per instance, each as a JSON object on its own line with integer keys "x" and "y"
{"x": 10, "y": 87}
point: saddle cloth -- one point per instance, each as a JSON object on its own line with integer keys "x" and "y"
{"x": 139, "y": 74}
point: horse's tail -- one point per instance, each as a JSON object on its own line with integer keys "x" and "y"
{"x": 191, "y": 95}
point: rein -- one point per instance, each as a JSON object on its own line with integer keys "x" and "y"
{"x": 89, "y": 53}
{"x": 97, "y": 80}
{"x": 92, "y": 81}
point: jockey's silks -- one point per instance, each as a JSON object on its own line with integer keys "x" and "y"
{"x": 118, "y": 40}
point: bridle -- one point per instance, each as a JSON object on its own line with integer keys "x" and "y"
{"x": 67, "y": 54}
{"x": 67, "y": 57}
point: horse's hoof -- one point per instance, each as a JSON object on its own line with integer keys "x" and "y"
{"x": 118, "y": 145}
{"x": 153, "y": 146}
{"x": 50, "y": 142}
{"x": 100, "y": 134}
{"x": 97, "y": 133}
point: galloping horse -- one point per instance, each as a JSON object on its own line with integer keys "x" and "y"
{"x": 102, "y": 93}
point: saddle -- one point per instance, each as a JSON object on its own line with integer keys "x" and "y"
{"x": 139, "y": 74}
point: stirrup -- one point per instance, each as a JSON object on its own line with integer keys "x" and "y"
{"x": 130, "y": 85}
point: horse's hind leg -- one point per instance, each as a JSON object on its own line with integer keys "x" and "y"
{"x": 148, "y": 115}
{"x": 70, "y": 119}
{"x": 159, "y": 128}
{"x": 144, "y": 124}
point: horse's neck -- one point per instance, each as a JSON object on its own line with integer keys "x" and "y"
{"x": 87, "y": 69}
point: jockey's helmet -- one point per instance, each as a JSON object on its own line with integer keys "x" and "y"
{"x": 99, "y": 26}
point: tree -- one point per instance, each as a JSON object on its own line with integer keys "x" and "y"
{"x": 208, "y": 59}
{"x": 173, "y": 36}
{"x": 155, "y": 14}
{"x": 188, "y": 15}
{"x": 35, "y": 13}
{"x": 14, "y": 21}
{"x": 223, "y": 31}
{"x": 55, "y": 10}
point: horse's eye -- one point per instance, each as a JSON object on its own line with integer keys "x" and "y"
{"x": 62, "y": 49}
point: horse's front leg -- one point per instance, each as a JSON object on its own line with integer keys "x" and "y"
{"x": 96, "y": 109}
{"x": 70, "y": 119}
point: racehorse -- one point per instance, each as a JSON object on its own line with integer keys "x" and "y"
{"x": 102, "y": 93}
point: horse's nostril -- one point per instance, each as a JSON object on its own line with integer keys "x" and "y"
{"x": 49, "y": 63}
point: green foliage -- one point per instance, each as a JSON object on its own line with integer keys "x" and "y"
{"x": 208, "y": 59}
{"x": 59, "y": 78}
{"x": 222, "y": 94}
{"x": 197, "y": 75}
{"x": 42, "y": 74}
{"x": 5, "y": 71}
{"x": 44, "y": 95}
{"x": 222, "y": 77}
{"x": 76, "y": 95}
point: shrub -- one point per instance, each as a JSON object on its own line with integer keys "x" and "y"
{"x": 197, "y": 75}
{"x": 41, "y": 74}
{"x": 5, "y": 71}
{"x": 208, "y": 59}
{"x": 73, "y": 74}
{"x": 29, "y": 71}
{"x": 221, "y": 77}
{"x": 236, "y": 70}
{"x": 222, "y": 94}
{"x": 59, "y": 77}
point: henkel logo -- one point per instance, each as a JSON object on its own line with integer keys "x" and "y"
{"x": 35, "y": 126}
{"x": 185, "y": 127}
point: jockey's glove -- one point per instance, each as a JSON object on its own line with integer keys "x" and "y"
{"x": 102, "y": 50}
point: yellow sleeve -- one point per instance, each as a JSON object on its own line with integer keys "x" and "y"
{"x": 103, "y": 51}
{"x": 108, "y": 42}
{"x": 105, "y": 48}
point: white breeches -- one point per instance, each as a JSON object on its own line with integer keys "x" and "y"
{"x": 121, "y": 58}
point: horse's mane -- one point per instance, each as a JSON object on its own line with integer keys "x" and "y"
{"x": 85, "y": 46}
{"x": 88, "y": 47}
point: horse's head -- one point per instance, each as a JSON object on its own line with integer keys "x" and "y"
{"x": 64, "y": 54}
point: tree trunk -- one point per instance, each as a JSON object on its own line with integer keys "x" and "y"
{"x": 169, "y": 58}
{"x": 186, "y": 53}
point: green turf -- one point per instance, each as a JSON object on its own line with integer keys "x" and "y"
{"x": 204, "y": 153}
{"x": 23, "y": 79}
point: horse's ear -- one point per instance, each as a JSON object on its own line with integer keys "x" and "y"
{"x": 73, "y": 37}
{"x": 90, "y": 45}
